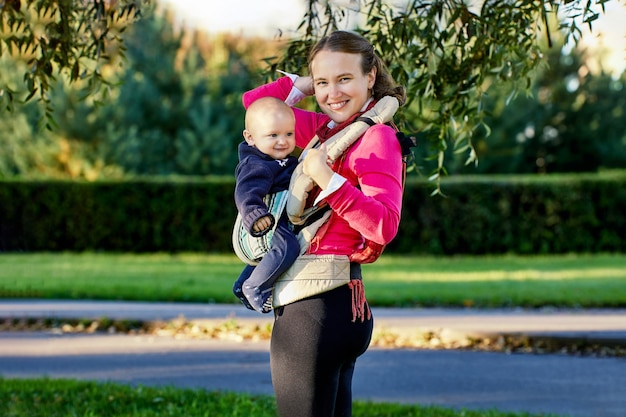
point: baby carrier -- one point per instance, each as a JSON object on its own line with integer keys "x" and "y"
{"x": 315, "y": 274}
{"x": 307, "y": 220}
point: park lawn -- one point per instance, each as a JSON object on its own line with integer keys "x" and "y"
{"x": 574, "y": 280}
{"x": 500, "y": 281}
{"x": 56, "y": 398}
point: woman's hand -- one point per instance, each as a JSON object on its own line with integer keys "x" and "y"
{"x": 316, "y": 165}
{"x": 305, "y": 84}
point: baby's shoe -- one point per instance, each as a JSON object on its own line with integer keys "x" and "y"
{"x": 239, "y": 294}
{"x": 260, "y": 300}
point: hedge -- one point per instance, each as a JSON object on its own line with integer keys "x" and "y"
{"x": 516, "y": 214}
{"x": 146, "y": 215}
{"x": 477, "y": 215}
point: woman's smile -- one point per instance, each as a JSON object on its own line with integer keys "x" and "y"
{"x": 337, "y": 106}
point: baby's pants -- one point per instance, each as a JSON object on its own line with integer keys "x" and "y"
{"x": 284, "y": 251}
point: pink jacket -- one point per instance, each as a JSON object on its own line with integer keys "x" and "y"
{"x": 368, "y": 204}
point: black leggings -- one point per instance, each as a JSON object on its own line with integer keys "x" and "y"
{"x": 313, "y": 351}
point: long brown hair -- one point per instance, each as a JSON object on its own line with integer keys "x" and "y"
{"x": 353, "y": 43}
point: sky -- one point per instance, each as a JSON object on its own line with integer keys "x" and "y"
{"x": 248, "y": 17}
{"x": 268, "y": 17}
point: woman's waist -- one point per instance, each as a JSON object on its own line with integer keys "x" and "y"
{"x": 336, "y": 243}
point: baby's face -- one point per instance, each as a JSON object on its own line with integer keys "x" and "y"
{"x": 273, "y": 134}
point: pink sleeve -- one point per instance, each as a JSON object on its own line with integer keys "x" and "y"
{"x": 374, "y": 209}
{"x": 279, "y": 89}
{"x": 306, "y": 121}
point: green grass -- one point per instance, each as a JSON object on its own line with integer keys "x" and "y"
{"x": 57, "y": 398}
{"x": 490, "y": 281}
{"x": 500, "y": 281}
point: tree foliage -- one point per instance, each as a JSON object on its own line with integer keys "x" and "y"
{"x": 173, "y": 108}
{"x": 168, "y": 117}
{"x": 62, "y": 36}
{"x": 448, "y": 53}
{"x": 177, "y": 112}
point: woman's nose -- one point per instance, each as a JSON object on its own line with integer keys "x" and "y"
{"x": 335, "y": 91}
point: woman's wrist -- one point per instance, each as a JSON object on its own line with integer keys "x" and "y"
{"x": 304, "y": 84}
{"x": 336, "y": 181}
{"x": 322, "y": 178}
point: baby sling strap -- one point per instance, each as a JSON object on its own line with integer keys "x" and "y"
{"x": 318, "y": 216}
{"x": 314, "y": 274}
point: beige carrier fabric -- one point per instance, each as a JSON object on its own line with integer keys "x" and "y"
{"x": 311, "y": 275}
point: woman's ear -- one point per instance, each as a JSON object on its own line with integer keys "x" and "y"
{"x": 371, "y": 78}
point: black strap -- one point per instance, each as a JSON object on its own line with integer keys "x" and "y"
{"x": 355, "y": 271}
{"x": 366, "y": 120}
{"x": 406, "y": 143}
{"x": 313, "y": 217}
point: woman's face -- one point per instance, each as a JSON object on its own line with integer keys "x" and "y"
{"x": 341, "y": 88}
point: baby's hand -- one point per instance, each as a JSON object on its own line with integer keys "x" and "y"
{"x": 262, "y": 224}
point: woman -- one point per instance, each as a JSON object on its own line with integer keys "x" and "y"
{"x": 315, "y": 341}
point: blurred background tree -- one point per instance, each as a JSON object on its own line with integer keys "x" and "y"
{"x": 177, "y": 110}
{"x": 73, "y": 38}
{"x": 172, "y": 108}
{"x": 571, "y": 120}
{"x": 574, "y": 121}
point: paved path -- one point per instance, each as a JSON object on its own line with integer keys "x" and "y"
{"x": 558, "y": 384}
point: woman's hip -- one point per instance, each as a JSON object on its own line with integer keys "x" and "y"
{"x": 323, "y": 321}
